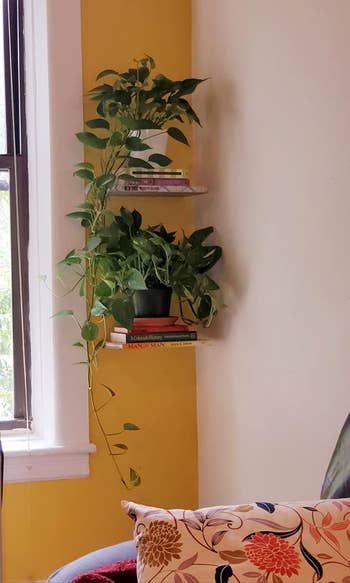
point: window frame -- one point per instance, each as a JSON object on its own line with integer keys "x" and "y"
{"x": 15, "y": 161}
{"x": 57, "y": 446}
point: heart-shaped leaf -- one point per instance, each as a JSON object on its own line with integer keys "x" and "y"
{"x": 89, "y": 331}
{"x": 98, "y": 123}
{"x": 178, "y": 135}
{"x": 92, "y": 140}
{"x": 160, "y": 159}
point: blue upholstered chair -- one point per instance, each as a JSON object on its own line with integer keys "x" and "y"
{"x": 120, "y": 552}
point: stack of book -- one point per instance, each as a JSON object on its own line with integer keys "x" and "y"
{"x": 174, "y": 180}
{"x": 152, "y": 333}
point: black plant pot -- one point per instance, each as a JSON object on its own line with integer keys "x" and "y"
{"x": 152, "y": 303}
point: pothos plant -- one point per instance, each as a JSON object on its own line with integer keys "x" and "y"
{"x": 105, "y": 268}
{"x": 132, "y": 258}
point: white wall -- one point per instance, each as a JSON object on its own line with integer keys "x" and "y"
{"x": 275, "y": 150}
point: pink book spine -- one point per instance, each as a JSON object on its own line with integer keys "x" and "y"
{"x": 158, "y": 182}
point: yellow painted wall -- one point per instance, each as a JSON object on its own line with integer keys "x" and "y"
{"x": 47, "y": 524}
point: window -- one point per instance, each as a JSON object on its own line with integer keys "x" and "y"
{"x": 57, "y": 444}
{"x": 14, "y": 304}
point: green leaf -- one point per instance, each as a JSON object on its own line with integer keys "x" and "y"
{"x": 101, "y": 109}
{"x": 89, "y": 331}
{"x": 79, "y": 344}
{"x": 130, "y": 427}
{"x": 99, "y": 345}
{"x": 82, "y": 288}
{"x": 198, "y": 237}
{"x": 163, "y": 83}
{"x": 210, "y": 284}
{"x": 189, "y": 85}
{"x": 125, "y": 177}
{"x": 79, "y": 215}
{"x": 99, "y": 122}
{"x": 103, "y": 289}
{"x": 139, "y": 124}
{"x": 178, "y": 135}
{"x": 93, "y": 242}
{"x": 204, "y": 308}
{"x": 99, "y": 308}
{"x": 151, "y": 61}
{"x": 143, "y": 73}
{"x": 135, "y": 279}
{"x": 135, "y": 478}
{"x": 91, "y": 140}
{"x": 138, "y": 163}
{"x": 116, "y": 139}
{"x": 160, "y": 159}
{"x": 113, "y": 108}
{"x": 85, "y": 174}
{"x": 87, "y": 188}
{"x": 136, "y": 145}
{"x": 121, "y": 446}
{"x": 63, "y": 313}
{"x": 130, "y": 75}
{"x": 127, "y": 216}
{"x": 123, "y": 312}
{"x": 106, "y": 72}
{"x": 121, "y": 96}
{"x": 104, "y": 180}
{"x": 86, "y": 165}
{"x": 71, "y": 258}
{"x": 86, "y": 205}
{"x": 191, "y": 114}
{"x": 104, "y": 88}
{"x": 137, "y": 219}
{"x": 108, "y": 213}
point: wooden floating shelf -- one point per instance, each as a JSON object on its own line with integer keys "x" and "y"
{"x": 195, "y": 191}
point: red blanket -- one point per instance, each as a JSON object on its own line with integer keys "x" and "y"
{"x": 121, "y": 572}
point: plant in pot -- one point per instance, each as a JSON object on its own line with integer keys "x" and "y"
{"x": 140, "y": 268}
{"x": 121, "y": 260}
{"x": 135, "y": 113}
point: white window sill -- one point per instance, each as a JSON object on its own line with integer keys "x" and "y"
{"x": 34, "y": 460}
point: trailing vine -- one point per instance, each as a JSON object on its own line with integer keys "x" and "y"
{"x": 128, "y": 104}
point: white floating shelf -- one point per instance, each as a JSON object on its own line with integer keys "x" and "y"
{"x": 190, "y": 191}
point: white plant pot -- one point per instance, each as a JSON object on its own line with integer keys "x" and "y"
{"x": 155, "y": 139}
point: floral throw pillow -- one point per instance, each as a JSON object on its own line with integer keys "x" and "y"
{"x": 262, "y": 542}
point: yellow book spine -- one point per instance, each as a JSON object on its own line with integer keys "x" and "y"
{"x": 148, "y": 345}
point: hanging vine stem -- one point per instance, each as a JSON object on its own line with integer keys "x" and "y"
{"x": 91, "y": 352}
{"x": 99, "y": 422}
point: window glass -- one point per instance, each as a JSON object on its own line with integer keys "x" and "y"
{"x": 6, "y": 342}
{"x": 3, "y": 140}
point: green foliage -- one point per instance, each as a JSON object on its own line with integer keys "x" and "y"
{"x": 124, "y": 257}
{"x": 130, "y": 427}
{"x": 131, "y": 102}
{"x": 142, "y": 102}
{"x": 120, "y": 257}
